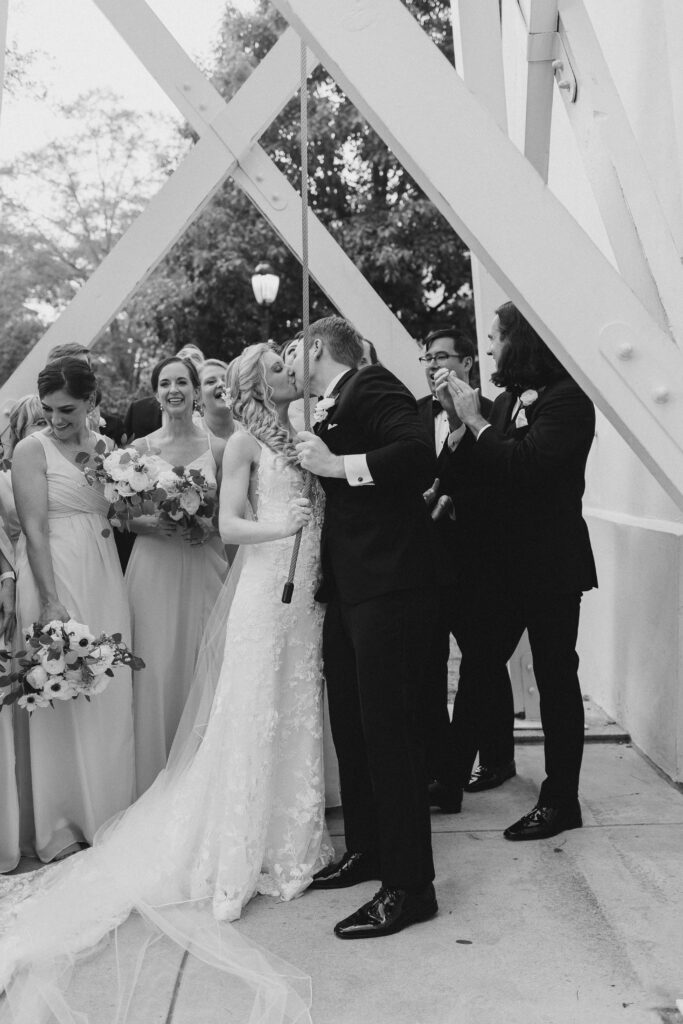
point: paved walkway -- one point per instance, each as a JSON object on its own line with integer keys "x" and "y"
{"x": 586, "y": 928}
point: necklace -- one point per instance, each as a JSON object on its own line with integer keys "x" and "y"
{"x": 69, "y": 445}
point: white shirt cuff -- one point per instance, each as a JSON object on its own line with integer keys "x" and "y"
{"x": 357, "y": 472}
{"x": 456, "y": 436}
{"x": 485, "y": 427}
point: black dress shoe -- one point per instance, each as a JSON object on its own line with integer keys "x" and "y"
{"x": 350, "y": 870}
{"x": 484, "y": 777}
{"x": 446, "y": 799}
{"x": 389, "y": 911}
{"x": 543, "y": 822}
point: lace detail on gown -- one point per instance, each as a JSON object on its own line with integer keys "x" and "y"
{"x": 244, "y": 814}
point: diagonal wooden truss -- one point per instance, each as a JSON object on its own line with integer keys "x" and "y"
{"x": 616, "y": 329}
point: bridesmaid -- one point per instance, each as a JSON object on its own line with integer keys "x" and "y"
{"x": 9, "y": 800}
{"x": 216, "y": 413}
{"x": 75, "y": 767}
{"x": 172, "y": 584}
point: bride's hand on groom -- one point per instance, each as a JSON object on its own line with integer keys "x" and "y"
{"x": 314, "y": 455}
{"x": 298, "y": 516}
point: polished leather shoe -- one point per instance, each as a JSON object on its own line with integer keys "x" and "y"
{"x": 352, "y": 869}
{"x": 543, "y": 822}
{"x": 448, "y": 800}
{"x": 484, "y": 777}
{"x": 389, "y": 911}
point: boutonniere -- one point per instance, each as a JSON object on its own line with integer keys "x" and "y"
{"x": 323, "y": 407}
{"x": 526, "y": 399}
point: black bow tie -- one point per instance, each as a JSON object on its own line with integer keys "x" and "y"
{"x": 436, "y": 407}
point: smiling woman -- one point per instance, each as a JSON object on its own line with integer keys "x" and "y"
{"x": 75, "y": 762}
{"x": 172, "y": 584}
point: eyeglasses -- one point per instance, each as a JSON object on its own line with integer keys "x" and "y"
{"x": 439, "y": 357}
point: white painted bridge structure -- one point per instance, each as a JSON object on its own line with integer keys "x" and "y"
{"x": 554, "y": 148}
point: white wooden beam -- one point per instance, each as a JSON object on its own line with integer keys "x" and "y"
{"x": 540, "y": 18}
{"x": 640, "y": 200}
{"x": 479, "y": 61}
{"x": 494, "y": 200}
{"x": 224, "y": 139}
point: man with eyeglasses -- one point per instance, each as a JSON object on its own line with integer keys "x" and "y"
{"x": 454, "y": 502}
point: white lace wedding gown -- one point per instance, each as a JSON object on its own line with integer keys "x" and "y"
{"x": 239, "y": 810}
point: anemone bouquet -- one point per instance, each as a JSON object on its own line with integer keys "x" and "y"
{"x": 62, "y": 661}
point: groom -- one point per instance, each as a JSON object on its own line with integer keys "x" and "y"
{"x": 380, "y": 571}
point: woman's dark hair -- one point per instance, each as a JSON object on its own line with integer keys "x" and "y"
{"x": 189, "y": 366}
{"x": 525, "y": 361}
{"x": 67, "y": 374}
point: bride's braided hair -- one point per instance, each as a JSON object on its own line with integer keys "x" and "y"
{"x": 252, "y": 407}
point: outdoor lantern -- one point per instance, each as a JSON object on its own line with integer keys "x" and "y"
{"x": 265, "y": 283}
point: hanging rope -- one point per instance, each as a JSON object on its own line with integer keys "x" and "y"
{"x": 288, "y": 589}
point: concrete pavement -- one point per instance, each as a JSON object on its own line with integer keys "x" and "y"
{"x": 585, "y": 928}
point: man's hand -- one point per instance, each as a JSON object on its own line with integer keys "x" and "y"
{"x": 465, "y": 399}
{"x": 444, "y": 508}
{"x": 431, "y": 494}
{"x": 316, "y": 457}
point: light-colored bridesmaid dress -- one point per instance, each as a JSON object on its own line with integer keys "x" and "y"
{"x": 75, "y": 766}
{"x": 9, "y": 801}
{"x": 172, "y": 588}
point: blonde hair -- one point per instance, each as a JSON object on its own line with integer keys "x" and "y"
{"x": 24, "y": 413}
{"x": 251, "y": 402}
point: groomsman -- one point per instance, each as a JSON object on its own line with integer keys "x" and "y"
{"x": 535, "y": 551}
{"x": 459, "y": 507}
{"x": 380, "y": 566}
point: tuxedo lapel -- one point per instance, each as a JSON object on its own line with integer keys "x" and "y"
{"x": 322, "y": 426}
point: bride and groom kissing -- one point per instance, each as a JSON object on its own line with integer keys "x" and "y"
{"x": 240, "y": 807}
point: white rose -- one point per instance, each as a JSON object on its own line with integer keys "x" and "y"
{"x": 113, "y": 468}
{"x": 54, "y": 666}
{"x": 74, "y": 675}
{"x": 97, "y": 685}
{"x": 168, "y": 481}
{"x": 37, "y": 677}
{"x": 141, "y": 480}
{"x": 190, "y": 502}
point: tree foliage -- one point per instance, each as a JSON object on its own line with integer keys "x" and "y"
{"x": 94, "y": 183}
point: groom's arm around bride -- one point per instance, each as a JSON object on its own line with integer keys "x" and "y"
{"x": 380, "y": 569}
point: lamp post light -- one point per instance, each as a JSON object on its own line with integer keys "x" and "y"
{"x": 265, "y": 283}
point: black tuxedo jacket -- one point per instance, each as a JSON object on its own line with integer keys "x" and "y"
{"x": 379, "y": 538}
{"x": 526, "y": 527}
{"x": 142, "y": 417}
{"x": 465, "y": 494}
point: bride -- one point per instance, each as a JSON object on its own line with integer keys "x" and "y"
{"x": 239, "y": 809}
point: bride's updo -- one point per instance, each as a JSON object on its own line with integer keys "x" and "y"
{"x": 252, "y": 406}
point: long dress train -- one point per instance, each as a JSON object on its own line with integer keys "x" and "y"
{"x": 239, "y": 810}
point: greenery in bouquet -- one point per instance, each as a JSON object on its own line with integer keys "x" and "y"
{"x": 62, "y": 661}
{"x": 130, "y": 481}
{"x": 189, "y": 501}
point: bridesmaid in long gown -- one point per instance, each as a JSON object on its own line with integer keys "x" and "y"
{"x": 77, "y": 769}
{"x": 9, "y": 802}
{"x": 26, "y": 416}
{"x": 172, "y": 584}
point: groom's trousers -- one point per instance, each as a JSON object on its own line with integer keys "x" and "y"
{"x": 375, "y": 654}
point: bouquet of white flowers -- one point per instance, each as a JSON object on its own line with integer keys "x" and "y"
{"x": 187, "y": 501}
{"x": 62, "y": 660}
{"x": 130, "y": 481}
{"x": 141, "y": 484}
